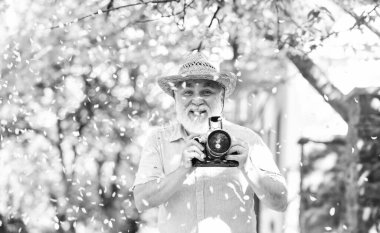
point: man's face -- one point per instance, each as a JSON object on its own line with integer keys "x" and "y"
{"x": 196, "y": 101}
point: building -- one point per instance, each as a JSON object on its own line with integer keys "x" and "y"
{"x": 282, "y": 110}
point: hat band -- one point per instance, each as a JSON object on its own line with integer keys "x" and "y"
{"x": 198, "y": 72}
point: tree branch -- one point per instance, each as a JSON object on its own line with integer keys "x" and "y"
{"x": 214, "y": 16}
{"x": 360, "y": 20}
{"x": 318, "y": 80}
{"x": 278, "y": 26}
{"x": 332, "y": 33}
{"x": 99, "y": 12}
{"x": 109, "y": 7}
{"x": 60, "y": 151}
{"x": 199, "y": 48}
{"x": 233, "y": 40}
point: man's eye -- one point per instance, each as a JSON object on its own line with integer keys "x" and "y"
{"x": 207, "y": 93}
{"x": 187, "y": 93}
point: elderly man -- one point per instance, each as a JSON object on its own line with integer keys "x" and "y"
{"x": 204, "y": 199}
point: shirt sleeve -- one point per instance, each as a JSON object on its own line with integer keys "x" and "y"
{"x": 150, "y": 166}
{"x": 260, "y": 155}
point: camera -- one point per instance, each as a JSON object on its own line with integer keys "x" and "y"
{"x": 217, "y": 143}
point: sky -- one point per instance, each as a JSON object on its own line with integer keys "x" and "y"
{"x": 352, "y": 58}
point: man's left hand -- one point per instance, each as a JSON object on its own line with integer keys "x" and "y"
{"x": 238, "y": 151}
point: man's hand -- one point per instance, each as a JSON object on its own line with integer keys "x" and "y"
{"x": 238, "y": 152}
{"x": 193, "y": 149}
{"x": 156, "y": 192}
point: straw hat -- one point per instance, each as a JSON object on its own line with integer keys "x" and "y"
{"x": 197, "y": 67}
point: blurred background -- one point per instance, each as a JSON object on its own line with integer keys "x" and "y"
{"x": 78, "y": 92}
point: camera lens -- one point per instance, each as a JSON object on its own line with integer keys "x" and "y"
{"x": 218, "y": 143}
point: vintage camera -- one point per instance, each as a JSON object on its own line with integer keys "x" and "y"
{"x": 217, "y": 142}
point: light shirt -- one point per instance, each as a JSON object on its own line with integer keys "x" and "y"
{"x": 211, "y": 199}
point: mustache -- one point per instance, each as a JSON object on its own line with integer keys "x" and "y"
{"x": 197, "y": 108}
{"x": 192, "y": 106}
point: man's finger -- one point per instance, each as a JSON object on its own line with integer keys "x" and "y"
{"x": 197, "y": 144}
{"x": 191, "y": 137}
{"x": 192, "y": 155}
{"x": 195, "y": 149}
{"x": 238, "y": 149}
{"x": 232, "y": 157}
{"x": 195, "y": 152}
{"x": 238, "y": 141}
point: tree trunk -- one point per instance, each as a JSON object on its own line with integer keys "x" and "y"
{"x": 363, "y": 180}
{"x": 361, "y": 110}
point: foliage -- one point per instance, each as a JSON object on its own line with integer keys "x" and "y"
{"x": 77, "y": 90}
{"x": 323, "y": 205}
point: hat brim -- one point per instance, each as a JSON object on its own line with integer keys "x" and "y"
{"x": 227, "y": 80}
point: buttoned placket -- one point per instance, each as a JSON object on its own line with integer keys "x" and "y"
{"x": 199, "y": 195}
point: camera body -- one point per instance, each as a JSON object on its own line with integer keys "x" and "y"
{"x": 217, "y": 143}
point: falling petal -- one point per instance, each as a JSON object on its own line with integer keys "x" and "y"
{"x": 332, "y": 211}
{"x": 145, "y": 202}
{"x": 312, "y": 198}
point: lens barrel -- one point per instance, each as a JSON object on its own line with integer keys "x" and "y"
{"x": 218, "y": 143}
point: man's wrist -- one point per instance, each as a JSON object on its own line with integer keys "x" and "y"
{"x": 248, "y": 166}
{"x": 250, "y": 171}
{"x": 273, "y": 176}
{"x": 185, "y": 170}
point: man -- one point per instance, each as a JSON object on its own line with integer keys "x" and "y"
{"x": 207, "y": 199}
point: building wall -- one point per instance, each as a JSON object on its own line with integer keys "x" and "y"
{"x": 262, "y": 111}
{"x": 282, "y": 115}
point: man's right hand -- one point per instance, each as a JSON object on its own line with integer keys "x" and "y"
{"x": 193, "y": 149}
{"x": 157, "y": 192}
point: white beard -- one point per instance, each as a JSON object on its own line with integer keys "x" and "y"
{"x": 196, "y": 123}
{"x": 198, "y": 127}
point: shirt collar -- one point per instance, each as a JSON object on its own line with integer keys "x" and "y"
{"x": 177, "y": 132}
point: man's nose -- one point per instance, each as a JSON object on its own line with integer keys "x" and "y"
{"x": 197, "y": 100}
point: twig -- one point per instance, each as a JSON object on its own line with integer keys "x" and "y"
{"x": 214, "y": 16}
{"x": 185, "y": 6}
{"x": 200, "y": 45}
{"x": 61, "y": 158}
{"x": 334, "y": 33}
{"x": 360, "y": 20}
{"x": 233, "y": 40}
{"x": 278, "y": 25}
{"x": 184, "y": 13}
{"x": 377, "y": 13}
{"x": 107, "y": 11}
{"x": 109, "y": 6}
{"x": 199, "y": 48}
{"x": 374, "y": 9}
